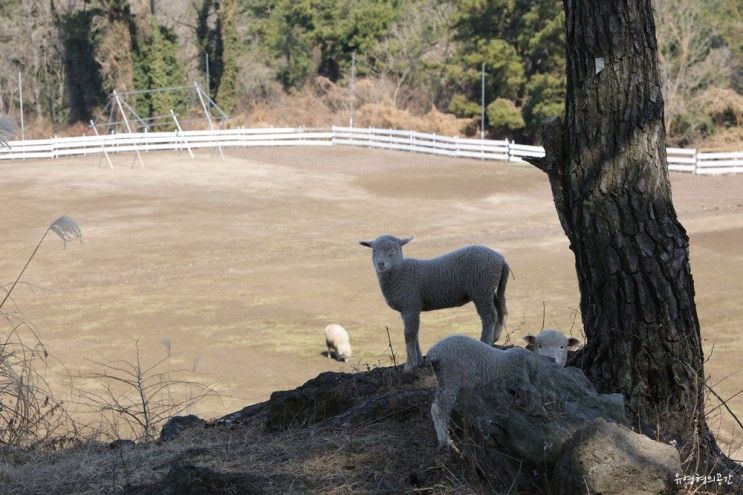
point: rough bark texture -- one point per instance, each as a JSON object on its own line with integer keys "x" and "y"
{"x": 608, "y": 172}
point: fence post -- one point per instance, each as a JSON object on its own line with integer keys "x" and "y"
{"x": 508, "y": 150}
{"x": 696, "y": 162}
{"x": 54, "y": 147}
{"x": 370, "y": 137}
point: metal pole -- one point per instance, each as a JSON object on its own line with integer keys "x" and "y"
{"x": 103, "y": 146}
{"x": 180, "y": 131}
{"x": 20, "y": 90}
{"x": 208, "y": 116}
{"x": 126, "y": 123}
{"x": 208, "y": 90}
{"x": 482, "y": 104}
{"x": 353, "y": 87}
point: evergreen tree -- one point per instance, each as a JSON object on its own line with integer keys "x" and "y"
{"x": 157, "y": 66}
{"x": 522, "y": 45}
{"x": 227, "y": 89}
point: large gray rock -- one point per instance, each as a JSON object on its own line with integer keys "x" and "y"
{"x": 533, "y": 412}
{"x": 178, "y": 424}
{"x": 604, "y": 457}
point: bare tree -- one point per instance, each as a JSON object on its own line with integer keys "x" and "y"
{"x": 415, "y": 40}
{"x": 134, "y": 399}
{"x": 30, "y": 40}
{"x": 689, "y": 64}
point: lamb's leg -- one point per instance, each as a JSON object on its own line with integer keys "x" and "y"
{"x": 486, "y": 310}
{"x": 500, "y": 302}
{"x": 412, "y": 322}
{"x": 441, "y": 412}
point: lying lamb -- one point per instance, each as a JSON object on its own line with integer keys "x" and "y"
{"x": 473, "y": 273}
{"x": 458, "y": 362}
{"x": 552, "y": 344}
{"x": 338, "y": 342}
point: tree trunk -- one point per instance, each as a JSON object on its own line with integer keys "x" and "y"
{"x": 608, "y": 172}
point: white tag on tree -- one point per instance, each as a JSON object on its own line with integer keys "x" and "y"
{"x": 599, "y": 63}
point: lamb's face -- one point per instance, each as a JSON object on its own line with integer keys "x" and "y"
{"x": 386, "y": 252}
{"x": 552, "y": 344}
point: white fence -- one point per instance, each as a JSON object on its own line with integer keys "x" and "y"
{"x": 679, "y": 159}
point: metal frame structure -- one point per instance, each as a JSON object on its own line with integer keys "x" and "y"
{"x": 121, "y": 113}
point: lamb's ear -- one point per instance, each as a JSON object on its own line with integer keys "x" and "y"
{"x": 573, "y": 342}
{"x": 366, "y": 243}
{"x": 530, "y": 339}
{"x": 404, "y": 241}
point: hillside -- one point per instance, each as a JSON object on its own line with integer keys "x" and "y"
{"x": 363, "y": 432}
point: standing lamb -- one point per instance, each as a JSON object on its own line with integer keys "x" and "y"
{"x": 462, "y": 362}
{"x": 338, "y": 342}
{"x": 472, "y": 273}
{"x": 552, "y": 344}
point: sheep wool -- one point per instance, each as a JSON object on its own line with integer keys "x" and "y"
{"x": 461, "y": 362}
{"x": 338, "y": 342}
{"x": 473, "y": 273}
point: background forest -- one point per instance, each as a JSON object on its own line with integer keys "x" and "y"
{"x": 288, "y": 62}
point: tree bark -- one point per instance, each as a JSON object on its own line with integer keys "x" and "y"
{"x": 609, "y": 176}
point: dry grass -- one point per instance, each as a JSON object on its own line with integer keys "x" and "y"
{"x": 324, "y": 103}
{"x": 388, "y": 454}
{"x": 29, "y": 412}
{"x": 388, "y": 451}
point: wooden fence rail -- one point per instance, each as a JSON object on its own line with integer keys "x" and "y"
{"x": 679, "y": 159}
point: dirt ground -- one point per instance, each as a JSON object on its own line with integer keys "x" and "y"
{"x": 238, "y": 264}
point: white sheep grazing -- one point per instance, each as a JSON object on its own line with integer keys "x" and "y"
{"x": 458, "y": 362}
{"x": 409, "y": 285}
{"x": 338, "y": 342}
{"x": 552, "y": 344}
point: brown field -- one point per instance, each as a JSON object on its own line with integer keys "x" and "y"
{"x": 241, "y": 263}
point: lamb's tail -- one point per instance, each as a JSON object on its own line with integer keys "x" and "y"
{"x": 500, "y": 301}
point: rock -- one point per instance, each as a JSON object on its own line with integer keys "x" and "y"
{"x": 401, "y": 405}
{"x": 604, "y": 457}
{"x": 177, "y": 424}
{"x": 189, "y": 479}
{"x": 243, "y": 415}
{"x": 532, "y": 414}
{"x": 120, "y": 444}
{"x": 327, "y": 395}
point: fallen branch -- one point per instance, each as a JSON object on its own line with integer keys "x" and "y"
{"x": 725, "y": 405}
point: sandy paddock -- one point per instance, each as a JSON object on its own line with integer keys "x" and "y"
{"x": 240, "y": 263}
